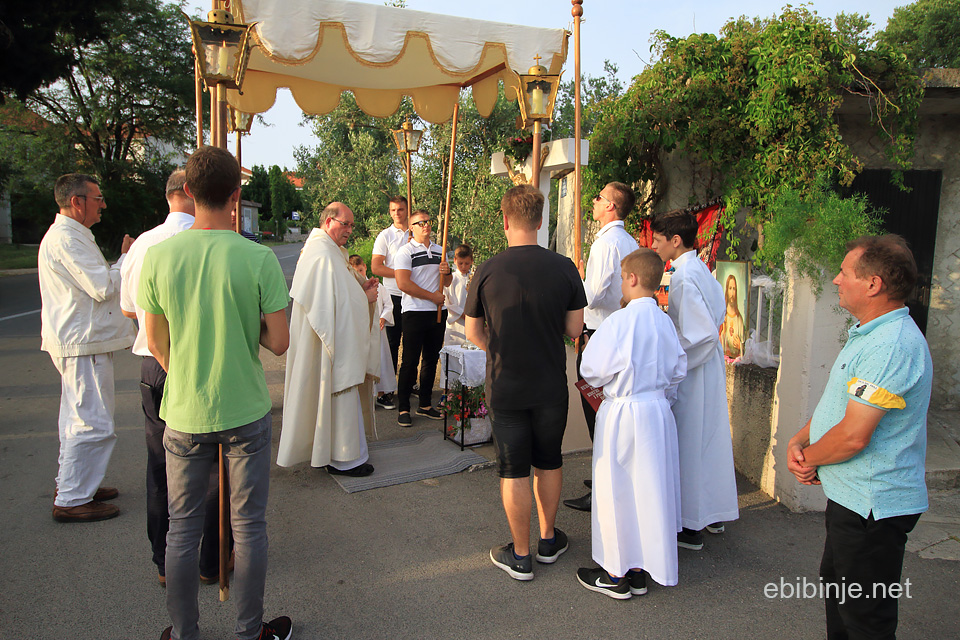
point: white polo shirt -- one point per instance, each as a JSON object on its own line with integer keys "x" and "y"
{"x": 130, "y": 269}
{"x": 602, "y": 281}
{"x": 423, "y": 263}
{"x": 387, "y": 244}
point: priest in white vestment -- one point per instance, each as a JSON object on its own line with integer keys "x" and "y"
{"x": 334, "y": 356}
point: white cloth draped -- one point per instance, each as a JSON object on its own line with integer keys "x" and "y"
{"x": 637, "y": 359}
{"x": 707, "y": 479}
{"x": 334, "y": 358}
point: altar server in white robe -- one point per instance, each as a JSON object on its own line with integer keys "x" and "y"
{"x": 334, "y": 356}
{"x": 696, "y": 305}
{"x": 636, "y": 357}
{"x": 456, "y": 294}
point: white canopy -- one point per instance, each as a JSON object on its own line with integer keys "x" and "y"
{"x": 320, "y": 48}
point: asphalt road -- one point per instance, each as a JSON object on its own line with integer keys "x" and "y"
{"x": 408, "y": 561}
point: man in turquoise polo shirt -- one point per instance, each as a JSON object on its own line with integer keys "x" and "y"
{"x": 866, "y": 443}
{"x": 211, "y": 298}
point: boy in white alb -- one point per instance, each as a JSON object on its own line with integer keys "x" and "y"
{"x": 708, "y": 484}
{"x": 456, "y": 294}
{"x": 636, "y": 357}
{"x": 387, "y": 384}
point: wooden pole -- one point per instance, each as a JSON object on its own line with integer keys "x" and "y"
{"x": 236, "y": 227}
{"x": 199, "y": 96}
{"x": 409, "y": 190}
{"x": 446, "y": 209}
{"x": 535, "y": 178}
{"x": 577, "y": 12}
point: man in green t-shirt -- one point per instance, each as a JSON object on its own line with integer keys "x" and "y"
{"x": 211, "y": 299}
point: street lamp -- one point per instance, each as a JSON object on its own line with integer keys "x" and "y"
{"x": 537, "y": 94}
{"x": 222, "y": 50}
{"x": 407, "y": 140}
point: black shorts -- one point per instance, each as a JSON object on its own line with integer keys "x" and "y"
{"x": 529, "y": 437}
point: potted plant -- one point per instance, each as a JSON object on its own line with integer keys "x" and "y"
{"x": 467, "y": 407}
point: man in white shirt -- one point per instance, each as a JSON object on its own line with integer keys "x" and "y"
{"x": 422, "y": 272}
{"x": 81, "y": 327}
{"x": 601, "y": 278}
{"x": 152, "y": 378}
{"x": 385, "y": 249}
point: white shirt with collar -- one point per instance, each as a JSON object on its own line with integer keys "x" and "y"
{"x": 79, "y": 294}
{"x": 130, "y": 270}
{"x": 602, "y": 278}
{"x": 388, "y": 242}
{"x": 423, "y": 263}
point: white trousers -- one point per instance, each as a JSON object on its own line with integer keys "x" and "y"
{"x": 343, "y": 465}
{"x": 86, "y": 426}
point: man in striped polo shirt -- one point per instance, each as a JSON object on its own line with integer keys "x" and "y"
{"x": 422, "y": 272}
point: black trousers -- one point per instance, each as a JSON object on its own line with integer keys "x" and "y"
{"x": 868, "y": 553}
{"x": 422, "y": 341}
{"x": 152, "y": 379}
{"x": 588, "y": 413}
{"x": 395, "y": 332}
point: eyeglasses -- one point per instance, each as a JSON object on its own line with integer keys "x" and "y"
{"x": 348, "y": 225}
{"x": 421, "y": 223}
{"x": 98, "y": 198}
{"x": 600, "y": 196}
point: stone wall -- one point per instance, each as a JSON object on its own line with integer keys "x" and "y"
{"x": 938, "y": 148}
{"x": 750, "y": 391}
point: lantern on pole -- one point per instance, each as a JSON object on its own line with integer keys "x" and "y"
{"x": 222, "y": 49}
{"x": 239, "y": 122}
{"x": 407, "y": 140}
{"x": 537, "y": 95}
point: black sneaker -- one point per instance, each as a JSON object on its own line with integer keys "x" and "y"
{"x": 548, "y": 553}
{"x": 598, "y": 580}
{"x": 404, "y": 419}
{"x": 432, "y": 412}
{"x": 277, "y": 629}
{"x": 386, "y": 401}
{"x": 690, "y": 539}
{"x": 637, "y": 581}
{"x": 716, "y": 527}
{"x": 166, "y": 633}
{"x": 503, "y": 557}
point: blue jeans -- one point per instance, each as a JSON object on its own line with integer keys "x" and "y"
{"x": 190, "y": 458}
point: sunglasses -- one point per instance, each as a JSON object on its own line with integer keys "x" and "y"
{"x": 421, "y": 223}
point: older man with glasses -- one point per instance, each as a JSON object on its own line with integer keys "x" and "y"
{"x": 81, "y": 327}
{"x": 334, "y": 355}
{"x": 422, "y": 271}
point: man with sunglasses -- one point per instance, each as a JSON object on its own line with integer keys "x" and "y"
{"x": 334, "y": 355}
{"x": 601, "y": 279}
{"x": 81, "y": 327}
{"x": 422, "y": 271}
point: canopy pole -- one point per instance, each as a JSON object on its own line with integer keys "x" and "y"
{"x": 577, "y": 12}
{"x": 198, "y": 90}
{"x": 446, "y": 209}
{"x": 409, "y": 190}
{"x": 535, "y": 170}
{"x": 236, "y": 226}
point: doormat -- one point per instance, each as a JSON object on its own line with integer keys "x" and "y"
{"x": 426, "y": 455}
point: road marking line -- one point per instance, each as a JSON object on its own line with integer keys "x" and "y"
{"x": 54, "y": 434}
{"x": 20, "y": 315}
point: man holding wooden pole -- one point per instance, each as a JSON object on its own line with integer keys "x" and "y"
{"x": 211, "y": 298}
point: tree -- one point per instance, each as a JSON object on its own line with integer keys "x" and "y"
{"x": 594, "y": 90}
{"x": 927, "y": 31}
{"x": 126, "y": 106}
{"x": 258, "y": 188}
{"x": 755, "y": 109}
{"x": 30, "y": 32}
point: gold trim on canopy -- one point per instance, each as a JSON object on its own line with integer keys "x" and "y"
{"x": 318, "y": 49}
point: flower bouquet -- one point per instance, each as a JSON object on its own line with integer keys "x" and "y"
{"x": 468, "y": 408}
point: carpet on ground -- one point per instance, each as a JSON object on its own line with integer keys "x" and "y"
{"x": 426, "y": 455}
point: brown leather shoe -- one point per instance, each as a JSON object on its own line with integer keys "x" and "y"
{"x": 89, "y": 512}
{"x": 163, "y": 580}
{"x": 216, "y": 578}
{"x": 102, "y": 495}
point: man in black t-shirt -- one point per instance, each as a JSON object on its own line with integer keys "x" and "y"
{"x": 521, "y": 303}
